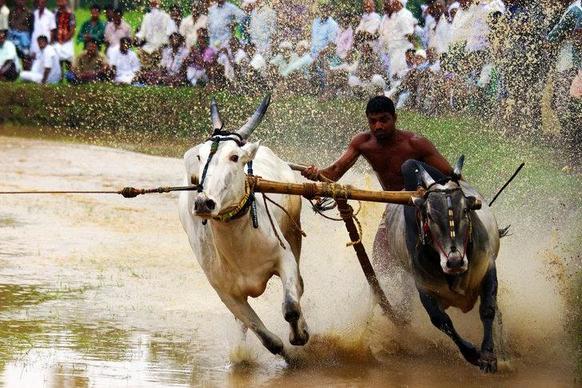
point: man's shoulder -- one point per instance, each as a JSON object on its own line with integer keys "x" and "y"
{"x": 361, "y": 138}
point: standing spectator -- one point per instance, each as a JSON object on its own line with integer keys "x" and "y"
{"x": 173, "y": 61}
{"x": 324, "y": 29}
{"x": 44, "y": 24}
{"x": 46, "y": 68}
{"x": 9, "y": 61}
{"x": 367, "y": 30}
{"x": 115, "y": 30}
{"x": 90, "y": 66}
{"x": 345, "y": 36}
{"x": 263, "y": 26}
{"x": 396, "y": 32}
{"x": 176, "y": 15}
{"x": 109, "y": 11}
{"x": 439, "y": 34}
{"x": 4, "y": 15}
{"x": 194, "y": 22}
{"x": 93, "y": 28}
{"x": 221, "y": 17}
{"x": 125, "y": 64}
{"x": 155, "y": 29}
{"x": 567, "y": 89}
{"x": 66, "y": 24}
{"x": 20, "y": 23}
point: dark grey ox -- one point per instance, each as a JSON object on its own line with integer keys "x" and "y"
{"x": 448, "y": 242}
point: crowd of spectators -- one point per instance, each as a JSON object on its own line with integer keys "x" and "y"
{"x": 451, "y": 55}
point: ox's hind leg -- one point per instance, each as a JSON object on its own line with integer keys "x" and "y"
{"x": 443, "y": 322}
{"x": 488, "y": 359}
{"x": 249, "y": 318}
{"x": 293, "y": 290}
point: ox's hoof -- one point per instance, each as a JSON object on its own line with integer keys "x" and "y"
{"x": 298, "y": 339}
{"x": 291, "y": 311}
{"x": 488, "y": 362}
{"x": 470, "y": 353}
{"x": 273, "y": 344}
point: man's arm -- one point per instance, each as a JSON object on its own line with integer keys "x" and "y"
{"x": 430, "y": 155}
{"x": 340, "y": 166}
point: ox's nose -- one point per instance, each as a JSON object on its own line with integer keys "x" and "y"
{"x": 454, "y": 262}
{"x": 204, "y": 205}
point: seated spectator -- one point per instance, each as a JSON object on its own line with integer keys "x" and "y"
{"x": 367, "y": 76}
{"x": 171, "y": 70}
{"x": 93, "y": 28}
{"x": 201, "y": 62}
{"x": 300, "y": 61}
{"x": 124, "y": 64}
{"x": 20, "y": 26}
{"x": 154, "y": 32}
{"x": 115, "y": 30}
{"x": 9, "y": 61}
{"x": 44, "y": 23}
{"x": 46, "y": 67}
{"x": 90, "y": 66}
{"x": 66, "y": 24}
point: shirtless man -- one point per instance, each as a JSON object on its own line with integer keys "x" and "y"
{"x": 390, "y": 151}
{"x": 393, "y": 154}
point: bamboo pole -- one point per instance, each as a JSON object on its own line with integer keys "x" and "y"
{"x": 333, "y": 190}
{"x": 346, "y": 213}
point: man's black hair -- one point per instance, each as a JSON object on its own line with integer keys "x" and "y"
{"x": 118, "y": 11}
{"x": 95, "y": 6}
{"x": 108, "y": 7}
{"x": 380, "y": 104}
{"x": 43, "y": 37}
{"x": 4, "y": 32}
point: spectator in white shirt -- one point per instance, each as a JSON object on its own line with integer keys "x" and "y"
{"x": 154, "y": 32}
{"x": 4, "y": 14}
{"x": 221, "y": 17}
{"x": 46, "y": 67}
{"x": 9, "y": 61}
{"x": 44, "y": 24}
{"x": 194, "y": 22}
{"x": 125, "y": 64}
{"x": 367, "y": 30}
{"x": 115, "y": 30}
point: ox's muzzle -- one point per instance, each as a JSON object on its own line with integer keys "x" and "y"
{"x": 454, "y": 263}
{"x": 204, "y": 206}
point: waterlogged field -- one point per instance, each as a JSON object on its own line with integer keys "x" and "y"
{"x": 104, "y": 291}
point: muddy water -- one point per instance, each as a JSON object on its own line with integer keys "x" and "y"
{"x": 104, "y": 291}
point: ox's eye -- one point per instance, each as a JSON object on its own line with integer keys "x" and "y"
{"x": 234, "y": 158}
{"x": 198, "y": 156}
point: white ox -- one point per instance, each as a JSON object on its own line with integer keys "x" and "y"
{"x": 237, "y": 258}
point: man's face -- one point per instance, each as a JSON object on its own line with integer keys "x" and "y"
{"x": 91, "y": 48}
{"x": 465, "y": 3}
{"x": 42, "y": 43}
{"x": 41, "y": 4}
{"x": 175, "y": 41}
{"x": 369, "y": 6}
{"x": 116, "y": 19}
{"x": 220, "y": 3}
{"x": 2, "y": 38}
{"x": 62, "y": 4}
{"x": 94, "y": 13}
{"x": 382, "y": 125}
{"x": 124, "y": 46}
{"x": 154, "y": 3}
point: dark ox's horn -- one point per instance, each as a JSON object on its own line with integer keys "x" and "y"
{"x": 458, "y": 168}
{"x": 424, "y": 176}
{"x": 215, "y": 116}
{"x": 254, "y": 121}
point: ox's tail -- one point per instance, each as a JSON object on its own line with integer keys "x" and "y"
{"x": 504, "y": 231}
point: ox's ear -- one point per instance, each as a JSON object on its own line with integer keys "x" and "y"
{"x": 249, "y": 151}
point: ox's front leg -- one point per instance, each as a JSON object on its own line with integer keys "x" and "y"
{"x": 443, "y": 322}
{"x": 293, "y": 290}
{"x": 488, "y": 359}
{"x": 248, "y": 317}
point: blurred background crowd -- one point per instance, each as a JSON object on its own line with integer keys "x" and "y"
{"x": 496, "y": 57}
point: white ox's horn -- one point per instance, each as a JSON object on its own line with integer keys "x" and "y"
{"x": 215, "y": 116}
{"x": 254, "y": 121}
{"x": 424, "y": 176}
{"x": 459, "y": 167}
